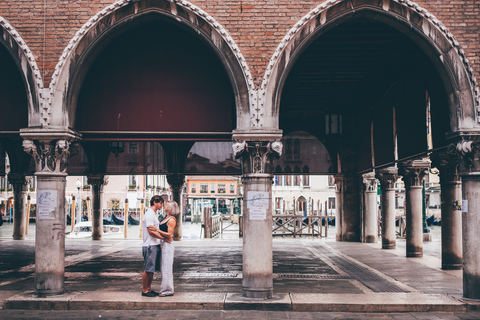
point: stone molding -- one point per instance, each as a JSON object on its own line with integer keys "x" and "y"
{"x": 317, "y": 17}
{"x": 413, "y": 172}
{"x": 257, "y": 155}
{"x": 49, "y": 156}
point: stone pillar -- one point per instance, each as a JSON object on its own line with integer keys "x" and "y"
{"x": 257, "y": 219}
{"x": 451, "y": 199}
{"x": 413, "y": 173}
{"x": 176, "y": 183}
{"x": 387, "y": 178}
{"x": 469, "y": 170}
{"x": 339, "y": 214}
{"x": 19, "y": 215}
{"x": 50, "y": 160}
{"x": 370, "y": 216}
{"x": 97, "y": 182}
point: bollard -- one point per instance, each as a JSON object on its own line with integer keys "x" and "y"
{"x": 72, "y": 214}
{"x": 142, "y": 207}
{"x": 125, "y": 219}
{"x": 207, "y": 220}
{"x": 89, "y": 211}
{"x": 29, "y": 199}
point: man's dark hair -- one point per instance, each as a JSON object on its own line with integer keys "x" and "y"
{"x": 155, "y": 199}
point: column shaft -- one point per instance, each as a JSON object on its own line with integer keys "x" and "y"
{"x": 19, "y": 215}
{"x": 176, "y": 183}
{"x": 471, "y": 239}
{"x": 257, "y": 241}
{"x": 50, "y": 235}
{"x": 451, "y": 225}
{"x": 97, "y": 183}
{"x": 370, "y": 214}
{"x": 414, "y": 228}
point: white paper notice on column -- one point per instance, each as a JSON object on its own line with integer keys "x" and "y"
{"x": 257, "y": 204}
{"x": 46, "y": 204}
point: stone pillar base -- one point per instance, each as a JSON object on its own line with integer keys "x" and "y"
{"x": 414, "y": 254}
{"x": 388, "y": 246}
{"x": 451, "y": 266}
{"x": 427, "y": 237}
{"x": 257, "y": 293}
{"x": 18, "y": 237}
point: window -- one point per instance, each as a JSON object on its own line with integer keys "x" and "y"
{"x": 133, "y": 147}
{"x": 306, "y": 180}
{"x": 222, "y": 188}
{"x": 203, "y": 188}
{"x": 296, "y": 180}
{"x": 132, "y": 182}
{"x": 193, "y": 188}
{"x": 331, "y": 203}
{"x": 232, "y": 187}
{"x": 331, "y": 181}
{"x": 212, "y": 187}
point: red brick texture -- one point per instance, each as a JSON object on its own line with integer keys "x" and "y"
{"x": 257, "y": 26}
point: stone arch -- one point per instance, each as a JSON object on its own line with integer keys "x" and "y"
{"x": 409, "y": 18}
{"x": 32, "y": 78}
{"x": 64, "y": 84}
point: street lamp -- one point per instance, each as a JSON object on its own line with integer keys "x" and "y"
{"x": 78, "y": 184}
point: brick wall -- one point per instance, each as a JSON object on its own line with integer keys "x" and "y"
{"x": 257, "y": 26}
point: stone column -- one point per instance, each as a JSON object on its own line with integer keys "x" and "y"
{"x": 176, "y": 183}
{"x": 257, "y": 219}
{"x": 451, "y": 199}
{"x": 413, "y": 173}
{"x": 50, "y": 160}
{"x": 370, "y": 216}
{"x": 339, "y": 214}
{"x": 19, "y": 191}
{"x": 469, "y": 171}
{"x": 387, "y": 178}
{"x": 97, "y": 182}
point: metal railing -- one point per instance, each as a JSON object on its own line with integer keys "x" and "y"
{"x": 297, "y": 226}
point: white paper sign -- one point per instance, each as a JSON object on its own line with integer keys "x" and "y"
{"x": 46, "y": 204}
{"x": 464, "y": 205}
{"x": 257, "y": 204}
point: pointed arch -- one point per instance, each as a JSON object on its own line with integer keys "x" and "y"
{"x": 432, "y": 36}
{"x": 27, "y": 66}
{"x": 65, "y": 80}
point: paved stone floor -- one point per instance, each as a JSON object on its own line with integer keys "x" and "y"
{"x": 310, "y": 275}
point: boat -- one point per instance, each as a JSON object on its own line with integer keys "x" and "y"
{"x": 117, "y": 220}
{"x": 84, "y": 230}
{"x": 430, "y": 220}
{"x": 133, "y": 221}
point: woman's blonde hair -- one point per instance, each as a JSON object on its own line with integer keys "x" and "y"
{"x": 173, "y": 208}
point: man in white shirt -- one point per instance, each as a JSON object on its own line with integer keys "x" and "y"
{"x": 151, "y": 246}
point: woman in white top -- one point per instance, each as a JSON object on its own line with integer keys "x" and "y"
{"x": 165, "y": 229}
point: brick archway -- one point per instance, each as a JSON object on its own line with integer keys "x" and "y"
{"x": 67, "y": 76}
{"x": 409, "y": 18}
{"x": 28, "y": 70}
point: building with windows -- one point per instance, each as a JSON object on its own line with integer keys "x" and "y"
{"x": 222, "y": 193}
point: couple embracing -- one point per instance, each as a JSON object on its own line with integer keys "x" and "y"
{"x": 158, "y": 247}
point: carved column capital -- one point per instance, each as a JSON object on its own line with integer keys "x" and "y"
{"x": 339, "y": 180}
{"x": 413, "y": 172}
{"x": 50, "y": 156}
{"x": 369, "y": 182}
{"x": 447, "y": 163}
{"x": 17, "y": 179}
{"x": 176, "y": 182}
{"x": 467, "y": 151}
{"x": 97, "y": 181}
{"x": 387, "y": 177}
{"x": 257, "y": 155}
